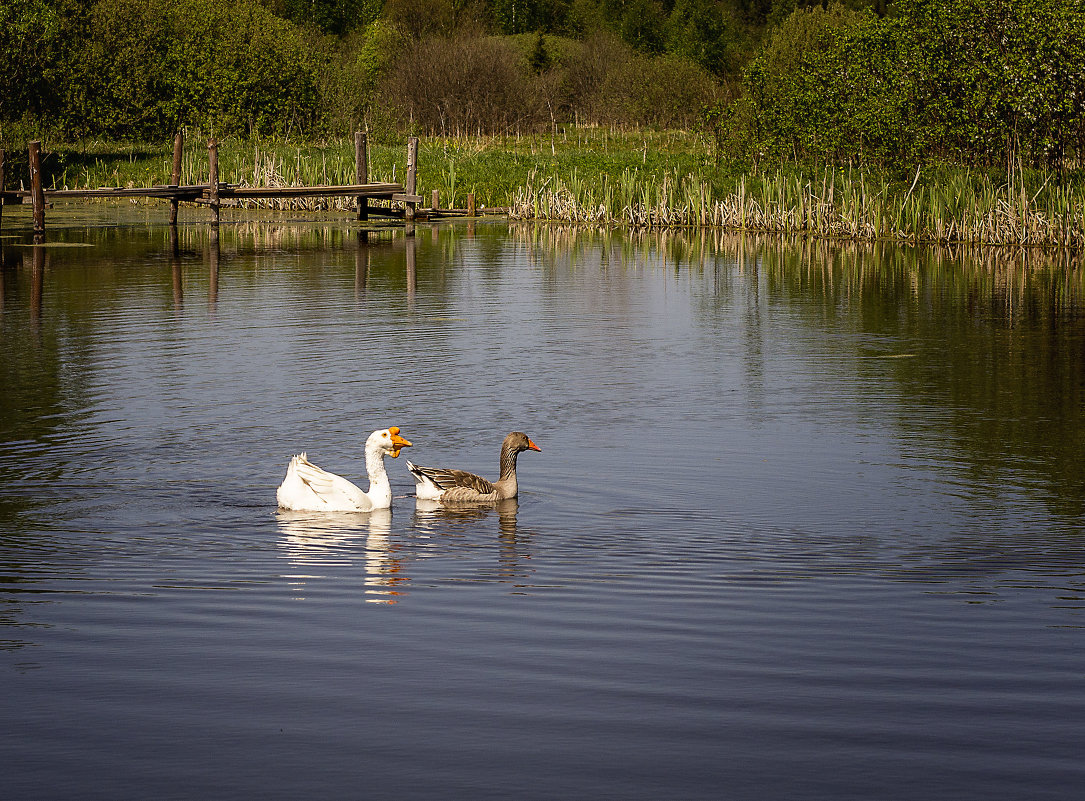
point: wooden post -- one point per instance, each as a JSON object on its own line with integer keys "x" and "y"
{"x": 213, "y": 180}
{"x": 361, "y": 170}
{"x": 1, "y": 187}
{"x": 412, "y": 175}
{"x": 37, "y": 194}
{"x": 175, "y": 175}
{"x": 178, "y": 285}
{"x": 361, "y": 265}
{"x": 471, "y": 204}
{"x": 213, "y": 268}
{"x": 37, "y": 285}
{"x": 412, "y": 282}
{"x": 433, "y": 201}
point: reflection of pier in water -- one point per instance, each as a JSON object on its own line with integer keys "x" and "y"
{"x": 208, "y": 253}
{"x": 366, "y": 244}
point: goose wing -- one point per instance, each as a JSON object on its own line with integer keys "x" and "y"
{"x": 445, "y": 480}
{"x": 311, "y": 488}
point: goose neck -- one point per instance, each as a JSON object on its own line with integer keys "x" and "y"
{"x": 508, "y": 463}
{"x": 380, "y": 491}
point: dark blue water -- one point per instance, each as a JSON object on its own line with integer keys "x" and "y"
{"x": 807, "y": 523}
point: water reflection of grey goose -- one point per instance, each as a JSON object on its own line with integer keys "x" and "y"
{"x": 307, "y": 488}
{"x": 436, "y": 483}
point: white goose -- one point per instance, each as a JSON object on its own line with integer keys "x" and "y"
{"x": 439, "y": 484}
{"x": 307, "y": 488}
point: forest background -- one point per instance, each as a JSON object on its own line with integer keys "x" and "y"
{"x": 866, "y": 82}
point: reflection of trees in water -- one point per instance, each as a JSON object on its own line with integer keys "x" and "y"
{"x": 44, "y": 370}
{"x": 562, "y": 246}
{"x": 978, "y": 564}
{"x": 995, "y": 368}
{"x": 982, "y": 350}
{"x": 27, "y": 556}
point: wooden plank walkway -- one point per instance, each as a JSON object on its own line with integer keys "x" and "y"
{"x": 381, "y": 191}
{"x": 213, "y": 193}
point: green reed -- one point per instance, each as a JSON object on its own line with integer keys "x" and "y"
{"x": 637, "y": 179}
{"x": 953, "y": 207}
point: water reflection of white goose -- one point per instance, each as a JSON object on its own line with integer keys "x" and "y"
{"x": 328, "y": 541}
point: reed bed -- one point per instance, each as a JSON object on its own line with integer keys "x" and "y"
{"x": 954, "y": 209}
{"x": 635, "y": 179}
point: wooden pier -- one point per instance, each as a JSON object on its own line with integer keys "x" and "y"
{"x": 214, "y": 194}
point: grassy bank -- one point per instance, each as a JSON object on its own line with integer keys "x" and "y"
{"x": 640, "y": 179}
{"x": 494, "y": 169}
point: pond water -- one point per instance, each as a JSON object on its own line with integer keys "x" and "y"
{"x": 808, "y": 520}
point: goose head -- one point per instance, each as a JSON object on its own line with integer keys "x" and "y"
{"x": 386, "y": 441}
{"x": 518, "y": 441}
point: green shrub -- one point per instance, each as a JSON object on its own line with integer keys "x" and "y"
{"x": 964, "y": 81}
{"x": 152, "y": 66}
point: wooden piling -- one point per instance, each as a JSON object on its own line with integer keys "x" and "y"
{"x": 434, "y": 201}
{"x": 213, "y": 272}
{"x": 411, "y": 184}
{"x": 361, "y": 170}
{"x": 1, "y": 188}
{"x": 175, "y": 175}
{"x": 178, "y": 284}
{"x": 37, "y": 282}
{"x": 213, "y": 180}
{"x": 37, "y": 193}
{"x": 471, "y": 204}
{"x": 361, "y": 265}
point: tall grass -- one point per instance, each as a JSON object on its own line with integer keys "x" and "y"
{"x": 955, "y": 207}
{"x": 493, "y": 168}
{"x": 633, "y": 178}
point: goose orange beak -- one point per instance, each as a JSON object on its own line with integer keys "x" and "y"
{"x": 398, "y": 443}
{"x": 531, "y": 446}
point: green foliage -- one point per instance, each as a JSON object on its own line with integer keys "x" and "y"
{"x": 783, "y": 110}
{"x": 330, "y": 16}
{"x": 540, "y": 60}
{"x": 353, "y": 69}
{"x": 1006, "y": 75}
{"x": 521, "y": 16}
{"x": 706, "y": 33}
{"x": 983, "y": 82}
{"x": 155, "y": 65}
{"x": 642, "y": 25}
{"x": 34, "y": 38}
{"x": 967, "y": 81}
